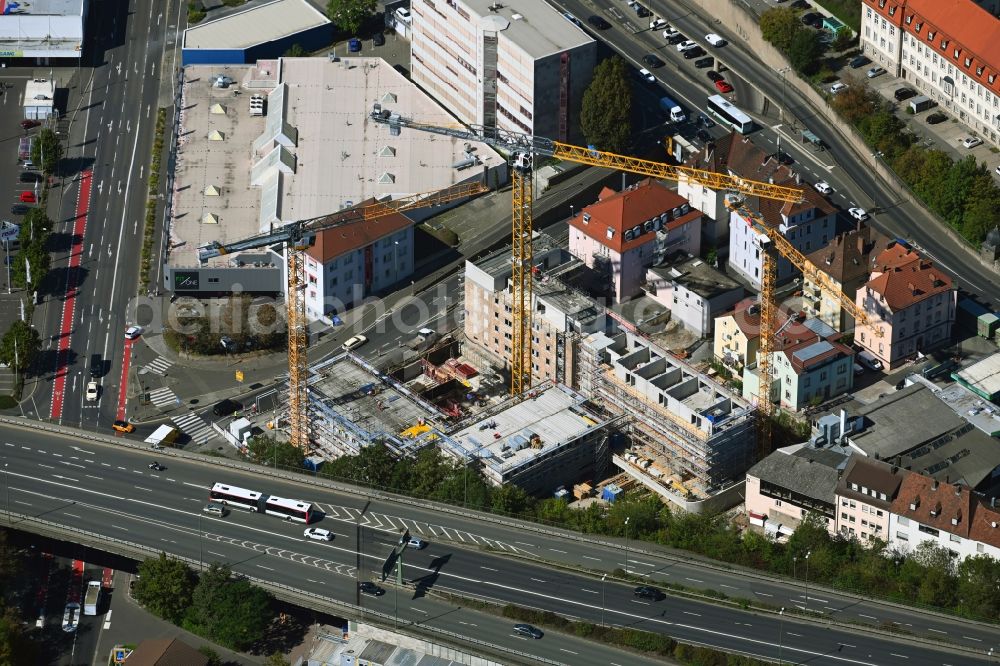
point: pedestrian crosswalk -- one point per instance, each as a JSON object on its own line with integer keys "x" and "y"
{"x": 163, "y": 397}
{"x": 159, "y": 366}
{"x": 195, "y": 427}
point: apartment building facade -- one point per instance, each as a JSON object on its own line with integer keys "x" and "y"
{"x": 789, "y": 485}
{"x": 948, "y": 51}
{"x": 623, "y": 233}
{"x": 865, "y": 493}
{"x": 519, "y": 66}
{"x": 910, "y": 301}
{"x": 694, "y": 292}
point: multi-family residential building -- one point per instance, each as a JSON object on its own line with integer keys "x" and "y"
{"x": 910, "y": 301}
{"x": 624, "y": 233}
{"x": 791, "y": 483}
{"x": 351, "y": 262}
{"x": 518, "y": 66}
{"x": 692, "y": 440}
{"x": 865, "y": 493}
{"x": 928, "y": 510}
{"x": 808, "y": 364}
{"x": 737, "y": 335}
{"x": 559, "y": 311}
{"x": 845, "y": 260}
{"x": 694, "y": 292}
{"x": 947, "y": 49}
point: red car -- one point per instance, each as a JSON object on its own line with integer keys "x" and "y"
{"x": 28, "y": 124}
{"x": 28, "y": 197}
{"x": 723, "y": 86}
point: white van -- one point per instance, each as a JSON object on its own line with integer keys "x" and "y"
{"x": 867, "y": 359}
{"x": 714, "y": 39}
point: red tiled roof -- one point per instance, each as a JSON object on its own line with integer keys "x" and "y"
{"x": 747, "y": 322}
{"x": 963, "y": 24}
{"x": 620, "y": 211}
{"x": 903, "y": 278}
{"x": 947, "y": 502}
{"x": 334, "y": 242}
{"x": 847, "y": 256}
{"x": 166, "y": 652}
{"x": 985, "y": 525}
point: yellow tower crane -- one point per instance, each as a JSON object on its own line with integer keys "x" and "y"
{"x": 521, "y": 150}
{"x": 298, "y": 236}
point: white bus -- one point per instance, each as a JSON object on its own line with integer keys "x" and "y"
{"x": 233, "y": 496}
{"x": 289, "y": 509}
{"x": 729, "y": 114}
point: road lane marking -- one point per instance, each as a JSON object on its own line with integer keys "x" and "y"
{"x": 568, "y": 651}
{"x": 71, "y": 515}
{"x": 970, "y": 638}
{"x": 99, "y": 478}
{"x": 193, "y": 485}
{"x": 119, "y": 527}
{"x": 538, "y": 580}
{"x": 870, "y": 617}
{"x": 699, "y": 615}
{"x": 901, "y": 656}
{"x": 423, "y": 612}
{"x": 636, "y": 601}
{"x": 20, "y": 502}
{"x": 792, "y": 633}
{"x": 104, "y": 464}
{"x": 148, "y": 490}
{"x": 212, "y": 552}
{"x": 57, "y": 455}
{"x": 764, "y": 594}
{"x": 729, "y": 586}
{"x": 72, "y": 464}
{"x": 488, "y": 568}
{"x": 556, "y": 550}
{"x": 583, "y": 589}
{"x": 694, "y": 580}
{"x": 46, "y": 466}
{"x": 530, "y": 545}
{"x": 263, "y": 567}
{"x": 588, "y": 557}
{"x": 936, "y": 631}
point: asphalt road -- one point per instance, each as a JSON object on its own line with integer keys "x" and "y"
{"x": 852, "y": 180}
{"x": 111, "y": 491}
{"x": 113, "y": 114}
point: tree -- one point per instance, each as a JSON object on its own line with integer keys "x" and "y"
{"x": 843, "y": 40}
{"x": 244, "y": 614}
{"x": 165, "y": 587}
{"x": 276, "y": 659}
{"x": 19, "y": 345}
{"x": 607, "y": 107}
{"x": 805, "y": 51}
{"x": 266, "y": 450}
{"x": 510, "y": 500}
{"x": 46, "y": 150}
{"x": 296, "y": 51}
{"x": 978, "y": 595}
{"x": 205, "y": 607}
{"x": 16, "y": 649}
{"x": 213, "y": 657}
{"x": 779, "y": 25}
{"x": 349, "y": 15}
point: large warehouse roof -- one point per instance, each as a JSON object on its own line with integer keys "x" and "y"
{"x": 257, "y": 25}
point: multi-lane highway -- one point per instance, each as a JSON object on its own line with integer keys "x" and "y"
{"x": 851, "y": 178}
{"x": 110, "y": 490}
{"x": 112, "y": 117}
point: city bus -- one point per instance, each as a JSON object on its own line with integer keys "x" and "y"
{"x": 233, "y": 496}
{"x": 289, "y": 509}
{"x": 729, "y": 114}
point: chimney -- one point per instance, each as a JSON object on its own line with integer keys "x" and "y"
{"x": 993, "y": 502}
{"x": 936, "y": 511}
{"x": 843, "y": 422}
{"x": 958, "y": 517}
{"x": 934, "y": 486}
{"x": 958, "y": 490}
{"x": 915, "y": 503}
{"x": 911, "y": 287}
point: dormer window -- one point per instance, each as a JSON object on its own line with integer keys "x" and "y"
{"x": 909, "y": 19}
{"x": 919, "y": 26}
{"x": 611, "y": 232}
{"x": 586, "y": 218}
{"x": 944, "y": 44}
{"x": 881, "y": 4}
{"x": 930, "y": 35}
{"x": 892, "y": 11}
{"x": 979, "y": 70}
{"x": 992, "y": 78}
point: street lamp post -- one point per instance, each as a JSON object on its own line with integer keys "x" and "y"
{"x": 201, "y": 546}
{"x": 571, "y": 213}
{"x": 808, "y": 553}
{"x": 781, "y": 632}
{"x": 6, "y": 485}
{"x": 795, "y": 559}
{"x": 604, "y": 578}
{"x": 626, "y": 543}
{"x": 395, "y": 259}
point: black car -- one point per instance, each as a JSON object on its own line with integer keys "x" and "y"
{"x": 226, "y": 407}
{"x": 936, "y": 118}
{"x": 904, "y": 94}
{"x": 677, "y": 39}
{"x": 18, "y": 209}
{"x": 858, "y": 61}
{"x": 29, "y": 177}
{"x": 528, "y": 630}
{"x": 652, "y": 61}
{"x": 648, "y": 592}
{"x": 703, "y": 136}
{"x": 370, "y": 588}
{"x": 705, "y": 121}
{"x": 696, "y": 52}
{"x": 714, "y": 75}
{"x": 801, "y": 4}
{"x": 812, "y": 19}
{"x": 96, "y": 365}
{"x": 378, "y": 39}
{"x": 704, "y": 62}
{"x": 642, "y": 11}
{"x": 597, "y": 22}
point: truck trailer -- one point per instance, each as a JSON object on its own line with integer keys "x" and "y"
{"x": 92, "y": 599}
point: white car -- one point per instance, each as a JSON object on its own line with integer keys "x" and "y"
{"x": 838, "y": 87}
{"x": 714, "y": 39}
{"x": 91, "y": 391}
{"x": 355, "y": 342}
{"x": 859, "y": 214}
{"x": 686, "y": 46}
{"x": 823, "y": 187}
{"x": 875, "y": 71}
{"x": 648, "y": 75}
{"x": 416, "y": 543}
{"x": 972, "y": 142}
{"x": 71, "y": 617}
{"x": 318, "y": 534}
{"x": 133, "y": 332}
{"x": 670, "y": 33}
{"x": 658, "y": 23}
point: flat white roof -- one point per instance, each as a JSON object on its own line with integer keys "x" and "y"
{"x": 39, "y": 92}
{"x": 984, "y": 375}
{"x": 46, "y": 7}
{"x": 532, "y": 25}
{"x": 256, "y": 25}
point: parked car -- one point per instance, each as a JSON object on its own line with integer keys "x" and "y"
{"x": 92, "y": 391}
{"x": 598, "y": 22}
{"x": 972, "y": 142}
{"x": 354, "y": 45}
{"x": 936, "y": 118}
{"x": 19, "y": 209}
{"x": 71, "y": 617}
{"x": 858, "y": 61}
{"x": 676, "y": 38}
{"x": 801, "y": 4}
{"x": 354, "y": 342}
{"x": 28, "y": 124}
{"x": 696, "y": 52}
{"x": 528, "y": 630}
{"x": 28, "y": 197}
{"x": 378, "y": 39}
{"x": 714, "y": 75}
{"x": 903, "y": 94}
{"x": 858, "y": 370}
{"x": 29, "y": 177}
{"x": 652, "y": 61}
{"x": 647, "y": 75}
{"x": 669, "y": 34}
{"x": 133, "y": 332}
{"x": 648, "y": 592}
{"x": 859, "y": 214}
{"x": 702, "y": 63}
{"x": 686, "y": 46}
{"x": 813, "y": 20}
{"x": 318, "y": 534}
{"x": 658, "y": 23}
{"x": 838, "y": 87}
{"x": 122, "y": 426}
{"x": 823, "y": 187}
{"x": 370, "y": 588}
{"x": 723, "y": 86}
{"x": 875, "y": 71}
{"x": 703, "y": 136}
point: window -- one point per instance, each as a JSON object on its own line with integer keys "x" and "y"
{"x": 902, "y": 536}
{"x": 928, "y": 530}
{"x": 904, "y": 521}
{"x": 777, "y": 502}
{"x": 955, "y": 538}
